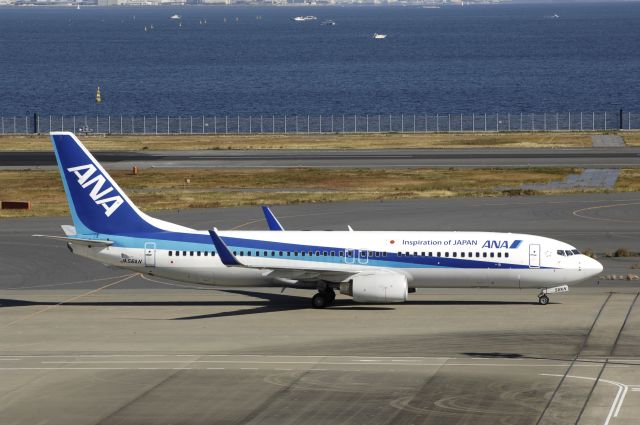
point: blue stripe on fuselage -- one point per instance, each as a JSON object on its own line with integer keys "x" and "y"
{"x": 201, "y": 242}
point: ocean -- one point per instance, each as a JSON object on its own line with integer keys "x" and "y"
{"x": 257, "y": 60}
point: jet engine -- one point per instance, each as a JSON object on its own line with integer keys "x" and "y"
{"x": 376, "y": 288}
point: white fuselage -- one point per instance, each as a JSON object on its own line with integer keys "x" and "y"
{"x": 427, "y": 259}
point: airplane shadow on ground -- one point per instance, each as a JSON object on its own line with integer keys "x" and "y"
{"x": 266, "y": 303}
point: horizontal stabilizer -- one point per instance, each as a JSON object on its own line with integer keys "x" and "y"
{"x": 95, "y": 242}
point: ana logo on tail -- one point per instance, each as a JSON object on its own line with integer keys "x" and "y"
{"x": 83, "y": 174}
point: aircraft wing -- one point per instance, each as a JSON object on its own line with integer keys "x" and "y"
{"x": 272, "y": 220}
{"x": 322, "y": 272}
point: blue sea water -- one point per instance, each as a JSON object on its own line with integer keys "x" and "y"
{"x": 504, "y": 58}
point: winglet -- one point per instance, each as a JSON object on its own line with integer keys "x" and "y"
{"x": 228, "y": 259}
{"x": 272, "y": 221}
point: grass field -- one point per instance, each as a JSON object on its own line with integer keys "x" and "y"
{"x": 157, "y": 189}
{"x": 324, "y": 141}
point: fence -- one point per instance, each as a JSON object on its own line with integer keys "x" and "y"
{"x": 307, "y": 124}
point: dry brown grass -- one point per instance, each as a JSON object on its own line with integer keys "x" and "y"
{"x": 628, "y": 180}
{"x": 317, "y": 141}
{"x": 169, "y": 189}
{"x": 631, "y": 138}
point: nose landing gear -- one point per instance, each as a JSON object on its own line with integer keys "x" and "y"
{"x": 543, "y": 299}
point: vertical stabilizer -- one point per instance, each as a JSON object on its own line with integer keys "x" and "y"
{"x": 97, "y": 203}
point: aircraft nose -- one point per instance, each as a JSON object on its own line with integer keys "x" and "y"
{"x": 592, "y": 266}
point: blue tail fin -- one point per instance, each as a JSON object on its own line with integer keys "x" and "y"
{"x": 97, "y": 203}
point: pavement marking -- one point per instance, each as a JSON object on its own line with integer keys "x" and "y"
{"x": 265, "y": 356}
{"x": 618, "y": 400}
{"x": 580, "y": 212}
{"x": 67, "y": 283}
{"x": 377, "y": 363}
{"x": 37, "y": 313}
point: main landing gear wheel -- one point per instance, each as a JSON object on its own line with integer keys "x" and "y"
{"x": 319, "y": 300}
{"x": 331, "y": 296}
{"x": 543, "y": 300}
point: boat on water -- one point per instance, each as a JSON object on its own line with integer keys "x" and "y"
{"x": 305, "y": 18}
{"x": 175, "y": 17}
{"x": 328, "y": 22}
{"x": 379, "y": 36}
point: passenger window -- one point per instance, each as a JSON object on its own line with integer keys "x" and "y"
{"x": 242, "y": 253}
{"x": 499, "y": 255}
{"x": 477, "y": 255}
{"x": 248, "y": 253}
{"x": 491, "y": 255}
{"x": 213, "y": 253}
{"x": 430, "y": 254}
{"x": 455, "y": 254}
{"x": 470, "y": 254}
{"x": 506, "y": 255}
{"x": 295, "y": 253}
{"x": 191, "y": 253}
{"x": 281, "y": 253}
{"x": 340, "y": 253}
{"x": 257, "y": 253}
{"x": 184, "y": 253}
{"x": 177, "y": 253}
{"x": 303, "y": 253}
{"x": 439, "y": 254}
{"x": 484, "y": 255}
{"x": 206, "y": 253}
{"x": 561, "y": 252}
{"x": 333, "y": 253}
{"x": 273, "y": 253}
{"x": 407, "y": 254}
{"x": 324, "y": 253}
{"x": 199, "y": 253}
{"x": 170, "y": 253}
{"x": 446, "y": 254}
{"x": 462, "y": 254}
{"x": 265, "y": 253}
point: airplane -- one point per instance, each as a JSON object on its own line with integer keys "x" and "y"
{"x": 369, "y": 266}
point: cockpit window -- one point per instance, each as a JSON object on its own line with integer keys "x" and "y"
{"x": 568, "y": 252}
{"x": 561, "y": 252}
{"x": 575, "y": 251}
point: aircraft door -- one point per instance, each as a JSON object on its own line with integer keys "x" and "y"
{"x": 534, "y": 256}
{"x": 363, "y": 256}
{"x": 150, "y": 254}
{"x": 350, "y": 255}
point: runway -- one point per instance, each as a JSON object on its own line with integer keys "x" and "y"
{"x": 86, "y": 344}
{"x": 617, "y": 157}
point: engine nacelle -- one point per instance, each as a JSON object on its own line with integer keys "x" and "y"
{"x": 377, "y": 288}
